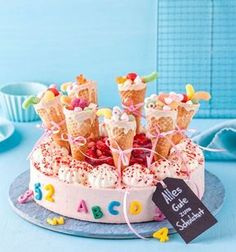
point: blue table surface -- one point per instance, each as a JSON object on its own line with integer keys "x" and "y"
{"x": 19, "y": 235}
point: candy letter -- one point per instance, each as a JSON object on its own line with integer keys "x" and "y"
{"x": 28, "y": 195}
{"x": 135, "y": 207}
{"x": 82, "y": 207}
{"x": 111, "y": 207}
{"x": 161, "y": 234}
{"x": 51, "y": 191}
{"x": 97, "y": 212}
{"x": 38, "y": 191}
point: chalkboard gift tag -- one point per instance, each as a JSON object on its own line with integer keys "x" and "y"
{"x": 182, "y": 208}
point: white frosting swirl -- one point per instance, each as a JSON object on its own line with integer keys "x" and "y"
{"x": 161, "y": 169}
{"x": 137, "y": 176}
{"x": 47, "y": 157}
{"x": 137, "y": 84}
{"x": 103, "y": 176}
{"x": 75, "y": 172}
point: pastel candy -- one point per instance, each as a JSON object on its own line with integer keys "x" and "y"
{"x": 161, "y": 234}
{"x": 31, "y": 100}
{"x": 48, "y": 96}
{"x": 64, "y": 86}
{"x": 111, "y": 207}
{"x": 106, "y": 112}
{"x": 65, "y": 100}
{"x": 190, "y": 91}
{"x": 201, "y": 95}
{"x": 151, "y": 77}
{"x": 135, "y": 207}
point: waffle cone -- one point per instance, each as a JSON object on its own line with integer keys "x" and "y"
{"x": 88, "y": 92}
{"x": 164, "y": 144}
{"x": 87, "y": 128}
{"x": 137, "y": 97}
{"x": 53, "y": 112}
{"x": 119, "y": 137}
{"x": 184, "y": 118}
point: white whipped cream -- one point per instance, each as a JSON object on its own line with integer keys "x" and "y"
{"x": 161, "y": 169}
{"x": 129, "y": 85}
{"x": 47, "y": 157}
{"x": 137, "y": 176}
{"x": 103, "y": 176}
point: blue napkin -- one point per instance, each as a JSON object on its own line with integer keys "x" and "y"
{"x": 221, "y": 136}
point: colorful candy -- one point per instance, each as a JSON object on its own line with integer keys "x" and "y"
{"x": 50, "y": 189}
{"x": 190, "y": 91}
{"x": 28, "y": 195}
{"x": 161, "y": 234}
{"x": 201, "y": 95}
{"x": 135, "y": 207}
{"x": 31, "y": 100}
{"x": 54, "y": 90}
{"x": 48, "y": 96}
{"x": 38, "y": 191}
{"x": 106, "y": 112}
{"x": 97, "y": 212}
{"x": 66, "y": 100}
{"x": 82, "y": 207}
{"x": 56, "y": 221}
{"x": 111, "y": 207}
{"x": 80, "y": 79}
{"x": 151, "y": 77}
{"x": 120, "y": 79}
{"x": 131, "y": 76}
{"x": 65, "y": 85}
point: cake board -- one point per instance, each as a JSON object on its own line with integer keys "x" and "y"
{"x": 213, "y": 199}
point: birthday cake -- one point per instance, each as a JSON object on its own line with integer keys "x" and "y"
{"x": 103, "y": 165}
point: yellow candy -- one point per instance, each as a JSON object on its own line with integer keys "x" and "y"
{"x": 201, "y": 95}
{"x": 66, "y": 100}
{"x": 161, "y": 234}
{"x": 190, "y": 91}
{"x": 64, "y": 86}
{"x": 106, "y": 112}
{"x": 48, "y": 96}
{"x": 120, "y": 79}
{"x": 135, "y": 207}
{"x": 56, "y": 221}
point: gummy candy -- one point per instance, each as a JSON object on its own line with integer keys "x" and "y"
{"x": 131, "y": 76}
{"x": 190, "y": 91}
{"x": 48, "y": 96}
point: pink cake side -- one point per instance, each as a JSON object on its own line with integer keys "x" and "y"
{"x": 68, "y": 197}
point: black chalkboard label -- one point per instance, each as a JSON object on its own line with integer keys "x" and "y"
{"x": 182, "y": 208}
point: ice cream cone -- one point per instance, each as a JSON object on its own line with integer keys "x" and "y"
{"x": 51, "y": 114}
{"x": 164, "y": 121}
{"x": 136, "y": 97}
{"x": 185, "y": 115}
{"x": 80, "y": 124}
{"x": 88, "y": 92}
{"x": 121, "y": 135}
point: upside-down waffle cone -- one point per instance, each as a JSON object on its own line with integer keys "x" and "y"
{"x": 88, "y": 92}
{"x": 164, "y": 123}
{"x": 53, "y": 112}
{"x": 120, "y": 137}
{"x": 86, "y": 128}
{"x": 185, "y": 115}
{"x": 137, "y": 97}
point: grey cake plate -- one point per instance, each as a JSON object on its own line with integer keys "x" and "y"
{"x": 213, "y": 199}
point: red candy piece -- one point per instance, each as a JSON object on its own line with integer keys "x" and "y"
{"x": 131, "y": 76}
{"x": 83, "y": 103}
{"x": 185, "y": 98}
{"x": 54, "y": 90}
{"x": 75, "y": 103}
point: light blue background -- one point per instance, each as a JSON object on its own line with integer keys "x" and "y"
{"x": 185, "y": 40}
{"x": 54, "y": 40}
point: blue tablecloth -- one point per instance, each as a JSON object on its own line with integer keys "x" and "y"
{"x": 19, "y": 235}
